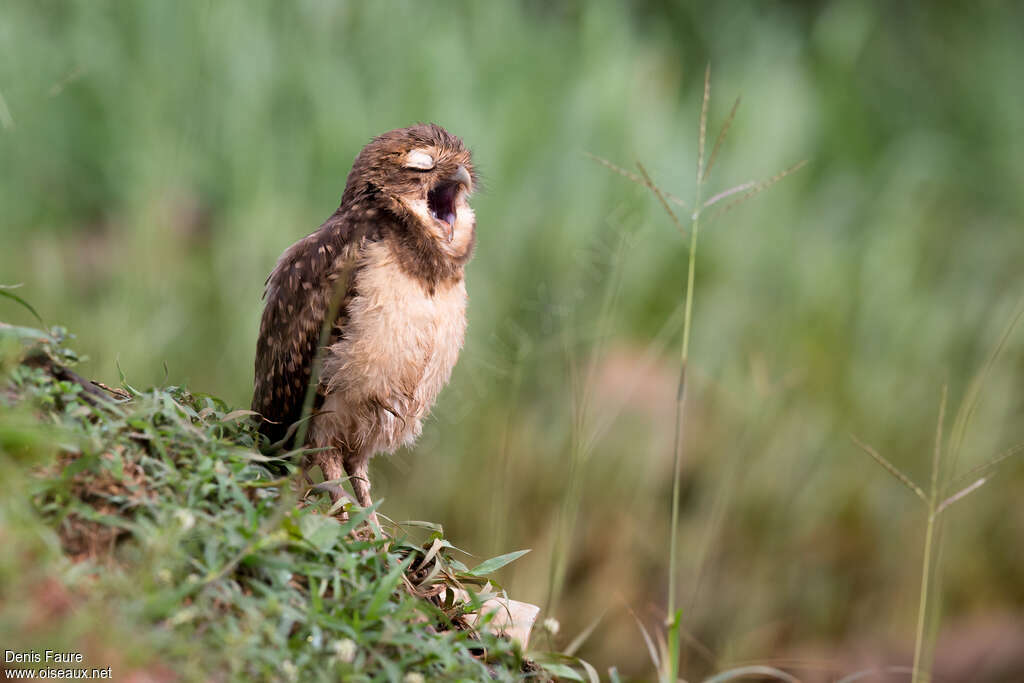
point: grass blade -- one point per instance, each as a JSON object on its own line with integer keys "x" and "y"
{"x": 703, "y": 136}
{"x": 973, "y": 396}
{"x": 634, "y": 177}
{"x": 858, "y": 675}
{"x": 671, "y": 672}
{"x": 387, "y": 587}
{"x": 5, "y": 291}
{"x": 727, "y": 193}
{"x": 721, "y": 138}
{"x": 651, "y": 649}
{"x": 756, "y": 670}
{"x": 991, "y": 464}
{"x": 661, "y": 198}
{"x": 578, "y": 641}
{"x": 960, "y": 495}
{"x": 496, "y": 563}
{"x": 937, "y": 454}
{"x": 891, "y": 469}
{"x": 591, "y": 671}
{"x": 759, "y": 187}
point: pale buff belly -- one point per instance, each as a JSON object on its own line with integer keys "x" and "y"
{"x": 396, "y": 353}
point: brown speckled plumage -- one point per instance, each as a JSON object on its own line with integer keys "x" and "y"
{"x": 391, "y": 260}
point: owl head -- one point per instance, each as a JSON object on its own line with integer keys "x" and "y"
{"x": 424, "y": 175}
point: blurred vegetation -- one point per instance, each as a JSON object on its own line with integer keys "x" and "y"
{"x": 155, "y": 158}
{"x": 182, "y": 537}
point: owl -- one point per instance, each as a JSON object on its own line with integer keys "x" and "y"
{"x": 366, "y": 316}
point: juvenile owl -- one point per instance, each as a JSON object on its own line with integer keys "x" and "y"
{"x": 376, "y": 297}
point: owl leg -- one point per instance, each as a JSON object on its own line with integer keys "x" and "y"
{"x": 330, "y": 465}
{"x": 358, "y": 468}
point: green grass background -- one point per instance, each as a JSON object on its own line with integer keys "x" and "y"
{"x": 155, "y": 158}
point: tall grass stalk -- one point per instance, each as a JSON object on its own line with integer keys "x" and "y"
{"x": 938, "y": 498}
{"x": 668, "y": 663}
{"x": 926, "y": 561}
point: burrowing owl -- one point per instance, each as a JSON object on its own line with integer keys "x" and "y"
{"x": 387, "y": 269}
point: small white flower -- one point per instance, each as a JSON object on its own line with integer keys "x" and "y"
{"x": 164, "y": 575}
{"x": 291, "y": 672}
{"x": 344, "y": 650}
{"x": 551, "y": 625}
{"x": 185, "y": 518}
{"x": 413, "y": 677}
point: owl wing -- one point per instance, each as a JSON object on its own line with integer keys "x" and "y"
{"x": 312, "y": 277}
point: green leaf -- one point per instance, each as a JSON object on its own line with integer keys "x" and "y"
{"x": 562, "y": 671}
{"x": 420, "y": 524}
{"x": 321, "y": 531}
{"x": 496, "y": 563}
{"x": 355, "y": 519}
{"x": 556, "y": 664}
{"x": 25, "y": 333}
{"x": 387, "y": 588}
{"x": 4, "y": 291}
{"x": 114, "y": 465}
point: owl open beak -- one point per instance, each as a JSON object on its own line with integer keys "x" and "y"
{"x": 443, "y": 198}
{"x": 462, "y": 177}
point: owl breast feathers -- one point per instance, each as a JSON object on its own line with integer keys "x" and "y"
{"x": 375, "y": 298}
